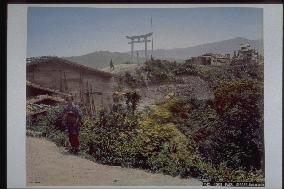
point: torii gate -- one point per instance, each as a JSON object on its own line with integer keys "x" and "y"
{"x": 137, "y": 39}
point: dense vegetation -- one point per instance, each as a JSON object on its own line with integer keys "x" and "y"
{"x": 218, "y": 140}
{"x": 154, "y": 73}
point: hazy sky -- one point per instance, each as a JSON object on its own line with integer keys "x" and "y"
{"x": 78, "y": 31}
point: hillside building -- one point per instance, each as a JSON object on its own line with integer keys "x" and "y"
{"x": 210, "y": 59}
{"x": 245, "y": 55}
{"x": 89, "y": 87}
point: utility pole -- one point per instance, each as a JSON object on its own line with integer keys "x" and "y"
{"x": 152, "y": 36}
{"x": 137, "y": 54}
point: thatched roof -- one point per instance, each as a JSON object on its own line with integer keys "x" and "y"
{"x": 39, "y": 60}
{"x": 35, "y": 109}
{"x": 41, "y": 98}
{"x": 36, "y": 86}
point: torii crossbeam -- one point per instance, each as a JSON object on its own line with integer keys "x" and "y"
{"x": 139, "y": 39}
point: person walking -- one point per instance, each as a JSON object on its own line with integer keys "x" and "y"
{"x": 111, "y": 65}
{"x": 71, "y": 121}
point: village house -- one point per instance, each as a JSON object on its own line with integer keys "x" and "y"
{"x": 89, "y": 87}
{"x": 34, "y": 90}
{"x": 210, "y": 59}
{"x": 245, "y": 55}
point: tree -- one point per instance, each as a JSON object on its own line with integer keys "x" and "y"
{"x": 237, "y": 137}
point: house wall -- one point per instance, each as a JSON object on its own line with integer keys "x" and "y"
{"x": 89, "y": 88}
{"x": 199, "y": 60}
{"x": 221, "y": 61}
{"x": 209, "y": 60}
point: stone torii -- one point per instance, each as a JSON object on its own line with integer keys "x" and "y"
{"x": 139, "y": 39}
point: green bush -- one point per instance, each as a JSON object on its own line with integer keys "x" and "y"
{"x": 185, "y": 69}
{"x": 50, "y": 126}
{"x": 210, "y": 141}
{"x": 44, "y": 123}
{"x": 240, "y": 106}
{"x": 87, "y": 134}
{"x": 156, "y": 72}
{"x": 110, "y": 133}
{"x": 217, "y": 75}
{"x": 134, "y": 80}
{"x": 160, "y": 71}
{"x": 60, "y": 138}
{"x": 161, "y": 145}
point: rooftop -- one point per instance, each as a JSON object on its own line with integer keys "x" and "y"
{"x": 36, "y": 86}
{"x": 41, "y": 60}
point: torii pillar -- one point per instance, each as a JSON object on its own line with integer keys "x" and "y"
{"x": 146, "y": 56}
{"x": 132, "y": 49}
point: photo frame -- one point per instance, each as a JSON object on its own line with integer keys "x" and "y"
{"x": 17, "y": 43}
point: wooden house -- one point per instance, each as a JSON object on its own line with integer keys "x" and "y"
{"x": 90, "y": 87}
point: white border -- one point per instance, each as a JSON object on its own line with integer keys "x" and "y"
{"x": 16, "y": 74}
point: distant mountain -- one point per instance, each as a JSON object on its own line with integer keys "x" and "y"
{"x": 223, "y": 47}
{"x": 101, "y": 59}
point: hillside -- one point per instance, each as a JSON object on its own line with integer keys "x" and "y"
{"x": 179, "y": 119}
{"x": 156, "y": 79}
{"x": 223, "y": 47}
{"x": 122, "y": 68}
{"x": 101, "y": 59}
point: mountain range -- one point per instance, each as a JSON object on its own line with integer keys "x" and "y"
{"x": 101, "y": 59}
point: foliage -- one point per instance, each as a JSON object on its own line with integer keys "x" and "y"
{"x": 185, "y": 69}
{"x": 87, "y": 134}
{"x": 131, "y": 80}
{"x": 50, "y": 126}
{"x": 217, "y": 75}
{"x": 132, "y": 100}
{"x": 109, "y": 134}
{"x": 160, "y": 71}
{"x": 219, "y": 139}
{"x": 156, "y": 72}
{"x": 240, "y": 136}
{"x": 52, "y": 119}
{"x": 162, "y": 146}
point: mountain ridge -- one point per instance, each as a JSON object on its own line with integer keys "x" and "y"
{"x": 101, "y": 59}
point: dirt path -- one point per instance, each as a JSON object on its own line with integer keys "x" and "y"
{"x": 49, "y": 165}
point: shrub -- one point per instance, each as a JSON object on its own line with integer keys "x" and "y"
{"x": 161, "y": 145}
{"x": 44, "y": 123}
{"x": 235, "y": 137}
{"x": 87, "y": 134}
{"x": 217, "y": 75}
{"x": 159, "y": 71}
{"x": 213, "y": 141}
{"x": 60, "y": 138}
{"x": 109, "y": 134}
{"x": 185, "y": 69}
{"x": 134, "y": 80}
